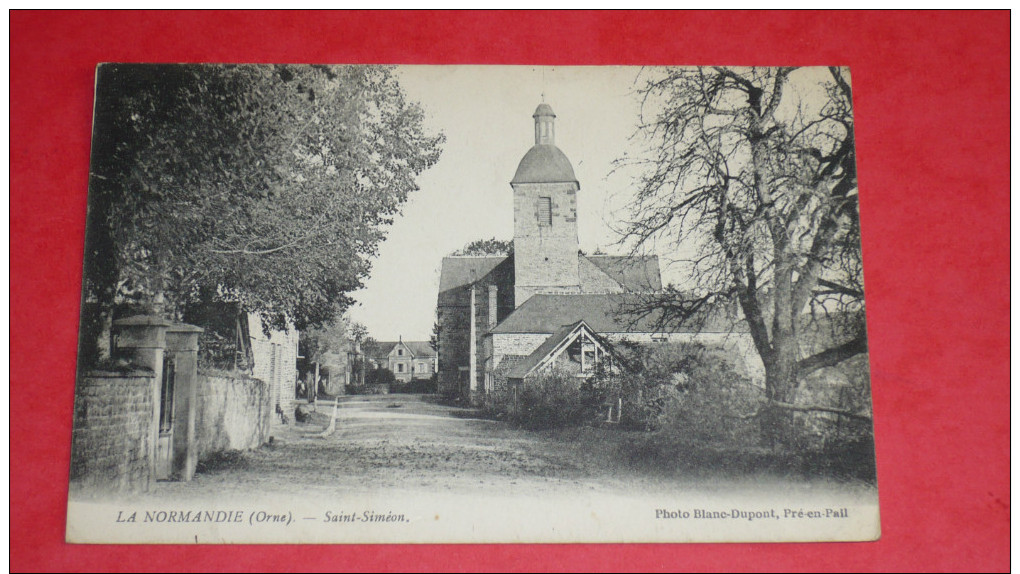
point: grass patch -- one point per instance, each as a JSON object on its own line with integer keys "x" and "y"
{"x": 665, "y": 455}
{"x": 659, "y": 452}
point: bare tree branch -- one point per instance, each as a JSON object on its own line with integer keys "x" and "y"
{"x": 832, "y": 356}
{"x": 842, "y": 289}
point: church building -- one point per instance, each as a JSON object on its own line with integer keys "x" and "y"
{"x": 502, "y": 317}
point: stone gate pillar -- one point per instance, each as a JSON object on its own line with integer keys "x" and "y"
{"x": 182, "y": 344}
{"x": 141, "y": 340}
{"x": 146, "y": 341}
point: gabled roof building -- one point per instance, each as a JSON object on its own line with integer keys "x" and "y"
{"x": 407, "y": 360}
{"x": 504, "y": 317}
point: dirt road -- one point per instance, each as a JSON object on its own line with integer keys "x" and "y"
{"x": 436, "y": 473}
{"x": 407, "y": 443}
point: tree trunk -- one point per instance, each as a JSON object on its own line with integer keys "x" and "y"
{"x": 780, "y": 387}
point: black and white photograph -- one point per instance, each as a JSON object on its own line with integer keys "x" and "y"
{"x": 472, "y": 304}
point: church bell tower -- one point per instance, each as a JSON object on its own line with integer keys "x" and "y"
{"x": 545, "y": 216}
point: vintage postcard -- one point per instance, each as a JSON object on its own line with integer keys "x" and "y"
{"x": 457, "y": 304}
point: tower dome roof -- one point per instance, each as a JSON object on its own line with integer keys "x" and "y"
{"x": 544, "y": 163}
{"x": 543, "y": 109}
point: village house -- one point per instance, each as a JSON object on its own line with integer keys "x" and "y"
{"x": 507, "y": 317}
{"x": 237, "y": 340}
{"x": 407, "y": 360}
{"x": 274, "y": 360}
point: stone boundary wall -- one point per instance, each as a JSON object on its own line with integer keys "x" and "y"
{"x": 232, "y": 413}
{"x": 113, "y": 436}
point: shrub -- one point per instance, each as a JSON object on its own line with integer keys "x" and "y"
{"x": 719, "y": 407}
{"x": 552, "y": 399}
{"x": 844, "y": 387}
{"x": 704, "y": 415}
{"x": 415, "y": 387}
{"x": 499, "y": 403}
{"x": 380, "y": 376}
{"x": 689, "y": 389}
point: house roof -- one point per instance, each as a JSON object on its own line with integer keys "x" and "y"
{"x": 382, "y": 348}
{"x": 418, "y": 348}
{"x": 508, "y": 364}
{"x": 635, "y": 273}
{"x": 566, "y": 332}
{"x": 603, "y": 313}
{"x": 458, "y": 271}
{"x": 521, "y": 369}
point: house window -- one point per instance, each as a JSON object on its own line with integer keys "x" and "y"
{"x": 400, "y": 352}
{"x": 400, "y": 367}
{"x": 545, "y": 211}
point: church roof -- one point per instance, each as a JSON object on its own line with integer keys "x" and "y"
{"x": 544, "y": 163}
{"x": 603, "y": 313}
{"x": 633, "y": 273}
{"x": 463, "y": 270}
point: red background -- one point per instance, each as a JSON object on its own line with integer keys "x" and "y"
{"x": 932, "y": 107}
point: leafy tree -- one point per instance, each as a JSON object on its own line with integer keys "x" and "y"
{"x": 369, "y": 346}
{"x": 267, "y": 186}
{"x": 434, "y": 338}
{"x": 358, "y": 332}
{"x": 490, "y": 246}
{"x": 755, "y": 170}
{"x": 338, "y": 335}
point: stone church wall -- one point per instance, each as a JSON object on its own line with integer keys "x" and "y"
{"x": 454, "y": 317}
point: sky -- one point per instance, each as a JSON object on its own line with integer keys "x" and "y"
{"x": 485, "y": 113}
